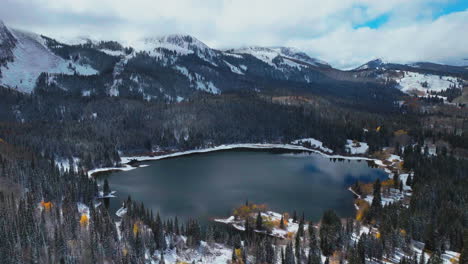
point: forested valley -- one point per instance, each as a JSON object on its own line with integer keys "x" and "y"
{"x": 40, "y": 222}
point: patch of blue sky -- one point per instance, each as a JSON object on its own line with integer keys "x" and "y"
{"x": 375, "y": 23}
{"x": 438, "y": 9}
{"x": 449, "y": 7}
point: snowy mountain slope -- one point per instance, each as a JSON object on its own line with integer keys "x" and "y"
{"x": 422, "y": 84}
{"x": 268, "y": 55}
{"x": 177, "y": 66}
{"x": 177, "y": 45}
{"x": 295, "y": 54}
{"x": 31, "y": 57}
{"x": 373, "y": 64}
{"x": 419, "y": 79}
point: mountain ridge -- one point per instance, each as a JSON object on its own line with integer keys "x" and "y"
{"x": 175, "y": 66}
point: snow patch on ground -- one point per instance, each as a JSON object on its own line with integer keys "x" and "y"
{"x": 233, "y": 68}
{"x": 354, "y": 147}
{"x": 115, "y": 53}
{"x": 64, "y": 163}
{"x": 264, "y": 54}
{"x": 291, "y": 227}
{"x": 121, "y": 212}
{"x": 83, "y": 209}
{"x": 109, "y": 195}
{"x": 314, "y": 143}
{"x": 213, "y": 254}
{"x": 425, "y": 83}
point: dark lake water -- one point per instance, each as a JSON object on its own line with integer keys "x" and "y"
{"x": 212, "y": 184}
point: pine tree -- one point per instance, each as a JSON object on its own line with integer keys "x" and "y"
{"x": 283, "y": 260}
{"x": 435, "y": 258}
{"x": 422, "y": 259}
{"x": 259, "y": 222}
{"x": 297, "y": 247}
{"x": 396, "y": 180}
{"x": 376, "y": 206}
{"x": 300, "y": 230}
{"x": 330, "y": 233}
{"x": 282, "y": 223}
{"x": 464, "y": 251}
{"x": 289, "y": 257}
{"x": 409, "y": 180}
{"x": 233, "y": 256}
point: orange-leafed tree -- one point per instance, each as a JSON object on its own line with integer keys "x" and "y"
{"x": 84, "y": 220}
{"x": 46, "y": 205}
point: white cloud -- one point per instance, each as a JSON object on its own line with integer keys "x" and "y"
{"x": 323, "y": 28}
{"x": 442, "y": 40}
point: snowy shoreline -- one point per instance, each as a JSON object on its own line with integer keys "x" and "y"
{"x": 126, "y": 160}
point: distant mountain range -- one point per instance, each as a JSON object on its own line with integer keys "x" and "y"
{"x": 174, "y": 67}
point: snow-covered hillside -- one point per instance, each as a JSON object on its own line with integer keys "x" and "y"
{"x": 295, "y": 54}
{"x": 290, "y": 55}
{"x": 30, "y": 58}
{"x": 422, "y": 84}
{"x": 373, "y": 64}
{"x": 179, "y": 45}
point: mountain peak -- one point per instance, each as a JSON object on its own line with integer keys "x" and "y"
{"x": 267, "y": 54}
{"x": 297, "y": 54}
{"x": 179, "y": 43}
{"x": 373, "y": 64}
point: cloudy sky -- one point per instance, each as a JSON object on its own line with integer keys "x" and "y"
{"x": 346, "y": 33}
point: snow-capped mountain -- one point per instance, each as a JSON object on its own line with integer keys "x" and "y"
{"x": 292, "y": 56}
{"x": 174, "y": 67}
{"x": 179, "y": 44}
{"x": 26, "y": 56}
{"x": 373, "y": 64}
{"x": 421, "y": 78}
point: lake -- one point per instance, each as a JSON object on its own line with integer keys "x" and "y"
{"x": 212, "y": 184}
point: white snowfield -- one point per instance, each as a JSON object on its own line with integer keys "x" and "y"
{"x": 354, "y": 147}
{"x": 31, "y": 58}
{"x": 425, "y": 83}
{"x": 291, "y": 227}
{"x": 180, "y": 45}
{"x": 314, "y": 143}
{"x": 116, "y": 53}
{"x": 289, "y": 55}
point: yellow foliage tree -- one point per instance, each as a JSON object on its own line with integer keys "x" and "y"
{"x": 400, "y": 132}
{"x": 135, "y": 229}
{"x": 245, "y": 211}
{"x": 46, "y": 205}
{"x": 84, "y": 220}
{"x": 403, "y": 232}
{"x": 238, "y": 253}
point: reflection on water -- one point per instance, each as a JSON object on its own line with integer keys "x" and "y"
{"x": 211, "y": 184}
